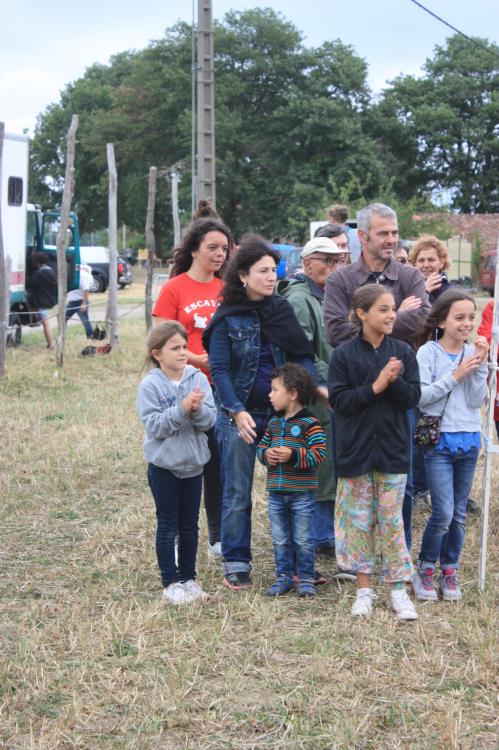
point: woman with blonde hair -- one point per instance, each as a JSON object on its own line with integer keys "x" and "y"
{"x": 430, "y": 256}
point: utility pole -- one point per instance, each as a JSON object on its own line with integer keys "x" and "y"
{"x": 205, "y": 105}
{"x": 176, "y": 219}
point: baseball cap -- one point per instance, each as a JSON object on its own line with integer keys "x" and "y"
{"x": 321, "y": 245}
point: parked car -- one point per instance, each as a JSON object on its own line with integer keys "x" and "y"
{"x": 98, "y": 258}
{"x": 488, "y": 272}
{"x": 290, "y": 259}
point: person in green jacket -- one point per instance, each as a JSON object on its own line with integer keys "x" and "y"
{"x": 305, "y": 292}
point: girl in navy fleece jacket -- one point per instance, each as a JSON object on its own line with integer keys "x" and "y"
{"x": 373, "y": 381}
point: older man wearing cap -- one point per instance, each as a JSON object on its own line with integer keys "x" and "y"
{"x": 305, "y": 292}
{"x": 78, "y": 300}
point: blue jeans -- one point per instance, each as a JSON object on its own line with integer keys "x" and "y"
{"x": 450, "y": 478}
{"x": 177, "y": 511}
{"x": 409, "y": 487}
{"x": 237, "y": 460}
{"x": 323, "y": 524}
{"x": 290, "y": 515}
{"x": 418, "y": 471}
{"x": 212, "y": 489}
{"x": 75, "y": 307}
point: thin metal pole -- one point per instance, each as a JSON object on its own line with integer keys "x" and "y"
{"x": 490, "y": 448}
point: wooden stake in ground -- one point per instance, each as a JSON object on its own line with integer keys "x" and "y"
{"x": 151, "y": 245}
{"x": 112, "y": 305}
{"x": 61, "y": 242}
{"x": 4, "y": 281}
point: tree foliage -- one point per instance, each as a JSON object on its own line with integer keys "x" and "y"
{"x": 442, "y": 129}
{"x": 295, "y": 129}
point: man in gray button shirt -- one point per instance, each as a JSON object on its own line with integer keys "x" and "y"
{"x": 378, "y": 233}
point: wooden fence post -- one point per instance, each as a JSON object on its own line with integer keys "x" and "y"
{"x": 112, "y": 306}
{"x": 62, "y": 275}
{"x": 4, "y": 281}
{"x": 151, "y": 244}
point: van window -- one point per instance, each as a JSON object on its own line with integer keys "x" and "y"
{"x": 50, "y": 231}
{"x": 490, "y": 261}
{"x": 31, "y": 229}
{"x": 15, "y": 191}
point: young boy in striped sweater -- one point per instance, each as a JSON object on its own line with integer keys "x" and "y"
{"x": 292, "y": 448}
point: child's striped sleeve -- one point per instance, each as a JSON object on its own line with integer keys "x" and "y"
{"x": 314, "y": 453}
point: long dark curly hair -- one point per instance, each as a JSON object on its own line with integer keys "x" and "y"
{"x": 251, "y": 249}
{"x": 182, "y": 256}
{"x": 439, "y": 312}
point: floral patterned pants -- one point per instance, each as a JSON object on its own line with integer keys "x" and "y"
{"x": 362, "y": 504}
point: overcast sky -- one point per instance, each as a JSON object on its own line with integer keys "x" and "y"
{"x": 48, "y": 43}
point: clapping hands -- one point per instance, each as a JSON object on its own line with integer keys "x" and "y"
{"x": 388, "y": 374}
{"x": 192, "y": 401}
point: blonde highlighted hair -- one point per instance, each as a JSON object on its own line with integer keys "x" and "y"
{"x": 427, "y": 242}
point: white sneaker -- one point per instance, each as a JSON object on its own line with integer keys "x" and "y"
{"x": 402, "y": 605}
{"x": 364, "y": 602}
{"x": 176, "y": 593}
{"x": 215, "y": 551}
{"x": 195, "y": 590}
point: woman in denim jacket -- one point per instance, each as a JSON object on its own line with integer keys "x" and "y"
{"x": 252, "y": 332}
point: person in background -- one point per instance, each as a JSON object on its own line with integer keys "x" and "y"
{"x": 305, "y": 291}
{"x": 78, "y": 300}
{"x": 337, "y": 233}
{"x": 41, "y": 286}
{"x": 292, "y": 448}
{"x": 338, "y": 214}
{"x": 252, "y": 332}
{"x": 485, "y": 329}
{"x": 454, "y": 387}
{"x": 402, "y": 253}
{"x": 378, "y": 233}
{"x": 373, "y": 383}
{"x": 431, "y": 257}
{"x": 175, "y": 405}
{"x": 191, "y": 295}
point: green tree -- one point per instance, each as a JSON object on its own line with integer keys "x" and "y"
{"x": 439, "y": 132}
{"x": 290, "y": 123}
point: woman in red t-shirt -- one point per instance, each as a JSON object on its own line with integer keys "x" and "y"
{"x": 485, "y": 329}
{"x": 191, "y": 296}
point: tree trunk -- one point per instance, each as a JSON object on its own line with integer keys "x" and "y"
{"x": 151, "y": 247}
{"x": 112, "y": 306}
{"x": 62, "y": 271}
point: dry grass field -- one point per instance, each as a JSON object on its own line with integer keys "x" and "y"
{"x": 91, "y": 657}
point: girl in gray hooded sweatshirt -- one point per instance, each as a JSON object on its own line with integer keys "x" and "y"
{"x": 453, "y": 386}
{"x": 176, "y": 407}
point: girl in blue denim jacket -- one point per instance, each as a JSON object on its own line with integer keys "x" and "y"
{"x": 252, "y": 332}
{"x": 453, "y": 386}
